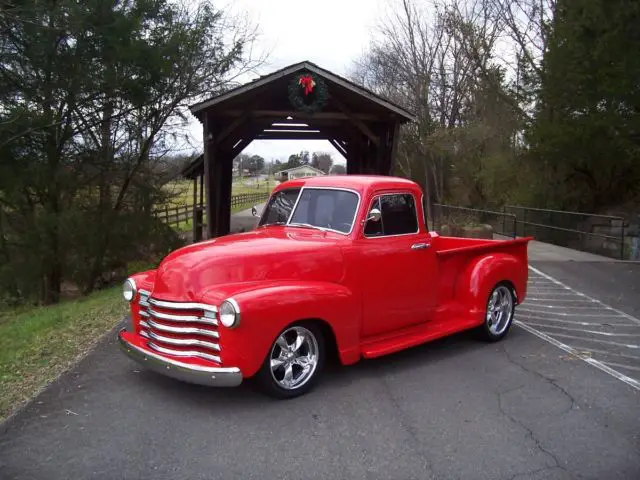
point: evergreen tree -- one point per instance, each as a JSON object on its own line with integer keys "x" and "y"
{"x": 93, "y": 94}
{"x": 585, "y": 135}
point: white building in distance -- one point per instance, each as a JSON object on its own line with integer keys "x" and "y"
{"x": 298, "y": 172}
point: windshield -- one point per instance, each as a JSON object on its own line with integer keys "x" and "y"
{"x": 317, "y": 208}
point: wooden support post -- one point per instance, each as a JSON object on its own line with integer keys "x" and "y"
{"x": 355, "y": 155}
{"x": 201, "y": 202}
{"x": 224, "y": 170}
{"x": 381, "y": 152}
{"x": 196, "y": 229}
{"x": 209, "y": 163}
{"x": 369, "y": 157}
{"x": 393, "y": 148}
{"x": 352, "y": 162}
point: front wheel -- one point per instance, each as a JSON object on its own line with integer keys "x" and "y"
{"x": 294, "y": 362}
{"x": 499, "y": 313}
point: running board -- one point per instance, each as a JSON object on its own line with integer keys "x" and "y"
{"x": 414, "y": 336}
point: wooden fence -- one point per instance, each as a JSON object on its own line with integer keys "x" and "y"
{"x": 184, "y": 213}
{"x": 248, "y": 198}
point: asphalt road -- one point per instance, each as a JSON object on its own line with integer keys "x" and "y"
{"x": 614, "y": 283}
{"x": 606, "y": 336}
{"x": 453, "y": 409}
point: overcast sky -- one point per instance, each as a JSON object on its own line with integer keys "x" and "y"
{"x": 330, "y": 33}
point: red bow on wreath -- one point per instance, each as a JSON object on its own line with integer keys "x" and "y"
{"x": 306, "y": 82}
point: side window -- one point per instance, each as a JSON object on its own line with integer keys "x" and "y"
{"x": 399, "y": 216}
{"x": 373, "y": 228}
{"x": 280, "y": 206}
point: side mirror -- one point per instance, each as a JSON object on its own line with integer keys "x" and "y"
{"x": 374, "y": 215}
{"x": 254, "y": 211}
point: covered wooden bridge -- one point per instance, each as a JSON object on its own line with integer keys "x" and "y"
{"x": 301, "y": 101}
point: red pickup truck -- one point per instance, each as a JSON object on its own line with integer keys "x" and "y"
{"x": 341, "y": 264}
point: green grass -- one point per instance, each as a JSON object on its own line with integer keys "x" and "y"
{"x": 38, "y": 344}
{"x": 239, "y": 187}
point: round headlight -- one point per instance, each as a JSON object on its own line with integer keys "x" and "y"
{"x": 230, "y": 313}
{"x": 129, "y": 290}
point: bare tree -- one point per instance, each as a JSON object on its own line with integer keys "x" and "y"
{"x": 419, "y": 63}
{"x": 516, "y": 33}
{"x": 92, "y": 93}
{"x": 439, "y": 59}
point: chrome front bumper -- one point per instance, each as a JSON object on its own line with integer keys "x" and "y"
{"x": 209, "y": 376}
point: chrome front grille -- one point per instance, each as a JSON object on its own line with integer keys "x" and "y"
{"x": 183, "y": 329}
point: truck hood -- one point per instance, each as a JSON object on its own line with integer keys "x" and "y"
{"x": 272, "y": 253}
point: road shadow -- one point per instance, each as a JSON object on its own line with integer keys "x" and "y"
{"x": 336, "y": 377}
{"x": 106, "y": 380}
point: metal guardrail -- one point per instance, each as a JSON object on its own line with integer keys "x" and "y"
{"x": 502, "y": 223}
{"x": 588, "y": 232}
{"x": 576, "y": 230}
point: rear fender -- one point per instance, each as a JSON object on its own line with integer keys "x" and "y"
{"x": 482, "y": 274}
{"x": 265, "y": 310}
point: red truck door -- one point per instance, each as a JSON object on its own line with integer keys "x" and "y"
{"x": 397, "y": 266}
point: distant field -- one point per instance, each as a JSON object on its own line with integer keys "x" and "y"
{"x": 182, "y": 194}
{"x": 182, "y": 190}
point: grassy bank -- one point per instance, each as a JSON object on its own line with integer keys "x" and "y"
{"x": 38, "y": 344}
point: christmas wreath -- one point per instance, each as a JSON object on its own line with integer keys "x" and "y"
{"x": 308, "y": 92}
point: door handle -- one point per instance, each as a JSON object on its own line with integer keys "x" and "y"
{"x": 419, "y": 246}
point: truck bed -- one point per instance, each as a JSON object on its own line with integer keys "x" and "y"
{"x": 447, "y": 246}
{"x": 454, "y": 254}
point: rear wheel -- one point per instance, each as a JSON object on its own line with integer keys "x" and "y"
{"x": 499, "y": 313}
{"x": 294, "y": 362}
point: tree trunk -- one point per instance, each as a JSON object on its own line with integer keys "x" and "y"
{"x": 104, "y": 198}
{"x": 52, "y": 282}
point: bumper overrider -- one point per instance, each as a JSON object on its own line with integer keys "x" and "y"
{"x": 134, "y": 347}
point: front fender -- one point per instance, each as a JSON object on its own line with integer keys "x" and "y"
{"x": 266, "y": 309}
{"x": 478, "y": 279}
{"x": 144, "y": 281}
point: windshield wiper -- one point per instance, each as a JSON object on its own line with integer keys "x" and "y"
{"x": 308, "y": 225}
{"x": 283, "y": 222}
{"x": 271, "y": 224}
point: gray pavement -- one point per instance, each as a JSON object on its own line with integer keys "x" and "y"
{"x": 605, "y": 336}
{"x": 612, "y": 282}
{"x": 457, "y": 408}
{"x": 244, "y": 221}
{"x": 452, "y": 409}
{"x": 547, "y": 252}
{"x": 539, "y": 251}
{"x": 588, "y": 305}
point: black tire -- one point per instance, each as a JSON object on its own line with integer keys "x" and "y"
{"x": 271, "y": 384}
{"x": 495, "y": 328}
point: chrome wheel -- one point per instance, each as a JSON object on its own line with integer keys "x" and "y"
{"x": 499, "y": 310}
{"x": 294, "y": 358}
